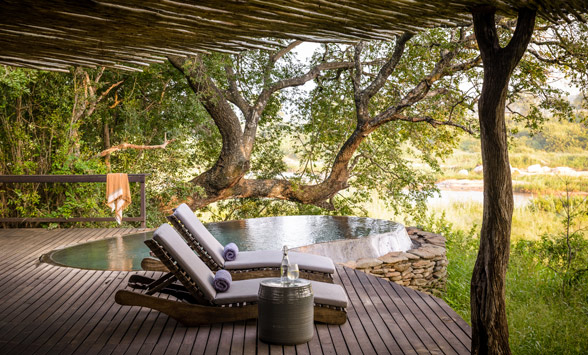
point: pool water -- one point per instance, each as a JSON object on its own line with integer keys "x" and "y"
{"x": 267, "y": 233}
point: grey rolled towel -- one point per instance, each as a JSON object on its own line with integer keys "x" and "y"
{"x": 222, "y": 281}
{"x": 230, "y": 252}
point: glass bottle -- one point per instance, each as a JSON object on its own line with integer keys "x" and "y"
{"x": 284, "y": 266}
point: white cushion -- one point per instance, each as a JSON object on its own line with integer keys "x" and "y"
{"x": 329, "y": 294}
{"x": 187, "y": 260}
{"x": 199, "y": 231}
{"x": 273, "y": 258}
{"x": 247, "y": 290}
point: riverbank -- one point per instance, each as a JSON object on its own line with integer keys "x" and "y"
{"x": 539, "y": 184}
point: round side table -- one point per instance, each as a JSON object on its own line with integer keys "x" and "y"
{"x": 285, "y": 312}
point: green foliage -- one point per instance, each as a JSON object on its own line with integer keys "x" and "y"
{"x": 571, "y": 137}
{"x": 42, "y": 135}
{"x": 462, "y": 249}
{"x": 566, "y": 252}
{"x": 541, "y": 319}
{"x": 548, "y": 184}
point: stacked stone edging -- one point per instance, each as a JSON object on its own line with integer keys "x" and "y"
{"x": 423, "y": 268}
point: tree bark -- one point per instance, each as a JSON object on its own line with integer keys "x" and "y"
{"x": 488, "y": 307}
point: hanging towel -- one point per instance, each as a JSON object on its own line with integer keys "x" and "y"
{"x": 118, "y": 194}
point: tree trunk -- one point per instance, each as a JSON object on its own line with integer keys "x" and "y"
{"x": 488, "y": 309}
{"x": 233, "y": 161}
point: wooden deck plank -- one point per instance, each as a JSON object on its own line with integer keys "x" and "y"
{"x": 81, "y": 330}
{"x": 226, "y": 339}
{"x": 61, "y": 324}
{"x": 374, "y": 309}
{"x": 176, "y": 341}
{"x": 314, "y": 346}
{"x": 457, "y": 334}
{"x": 136, "y": 337}
{"x": 238, "y": 341}
{"x": 276, "y": 349}
{"x": 107, "y": 326}
{"x": 463, "y": 325}
{"x": 201, "y": 340}
{"x": 346, "y": 343}
{"x": 159, "y": 342}
{"x": 19, "y": 258}
{"x": 213, "y": 339}
{"x": 324, "y": 337}
{"x": 188, "y": 341}
{"x": 250, "y": 346}
{"x": 302, "y": 349}
{"x": 361, "y": 337}
{"x": 432, "y": 327}
{"x": 395, "y": 320}
{"x": 290, "y": 350}
{"x": 24, "y": 321}
{"x": 47, "y": 309}
{"x": 390, "y": 320}
{"x": 31, "y": 257}
{"x": 364, "y": 310}
{"x": 413, "y": 318}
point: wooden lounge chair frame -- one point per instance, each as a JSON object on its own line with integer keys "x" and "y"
{"x": 200, "y": 311}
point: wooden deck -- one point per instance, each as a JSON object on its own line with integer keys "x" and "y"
{"x": 46, "y": 309}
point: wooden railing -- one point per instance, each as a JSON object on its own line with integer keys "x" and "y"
{"x": 140, "y": 178}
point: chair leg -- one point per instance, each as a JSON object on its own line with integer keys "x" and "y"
{"x": 152, "y": 264}
{"x": 329, "y": 315}
{"x": 160, "y": 283}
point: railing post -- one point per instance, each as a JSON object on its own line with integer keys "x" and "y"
{"x": 143, "y": 207}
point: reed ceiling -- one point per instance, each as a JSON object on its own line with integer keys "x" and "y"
{"x": 128, "y": 34}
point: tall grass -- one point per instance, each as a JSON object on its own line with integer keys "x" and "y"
{"x": 542, "y": 319}
{"x": 550, "y": 184}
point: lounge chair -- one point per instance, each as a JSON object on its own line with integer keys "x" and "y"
{"x": 248, "y": 264}
{"x": 199, "y": 303}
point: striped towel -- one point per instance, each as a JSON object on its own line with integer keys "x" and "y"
{"x": 118, "y": 194}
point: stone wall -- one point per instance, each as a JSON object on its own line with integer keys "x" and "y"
{"x": 423, "y": 268}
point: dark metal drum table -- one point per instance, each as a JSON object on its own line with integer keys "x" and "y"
{"x": 285, "y": 312}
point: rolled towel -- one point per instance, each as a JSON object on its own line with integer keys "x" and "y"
{"x": 230, "y": 252}
{"x": 222, "y": 281}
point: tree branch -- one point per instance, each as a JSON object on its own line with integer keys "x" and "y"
{"x": 440, "y": 70}
{"x": 234, "y": 95}
{"x": 389, "y": 67}
{"x": 274, "y": 58}
{"x": 517, "y": 45}
{"x": 279, "y": 54}
{"x": 486, "y": 35}
{"x": 310, "y": 75}
{"x": 430, "y": 120}
{"x": 124, "y": 146}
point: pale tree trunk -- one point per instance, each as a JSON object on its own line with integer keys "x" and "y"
{"x": 488, "y": 308}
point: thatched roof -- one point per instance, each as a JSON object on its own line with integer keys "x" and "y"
{"x": 55, "y": 34}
